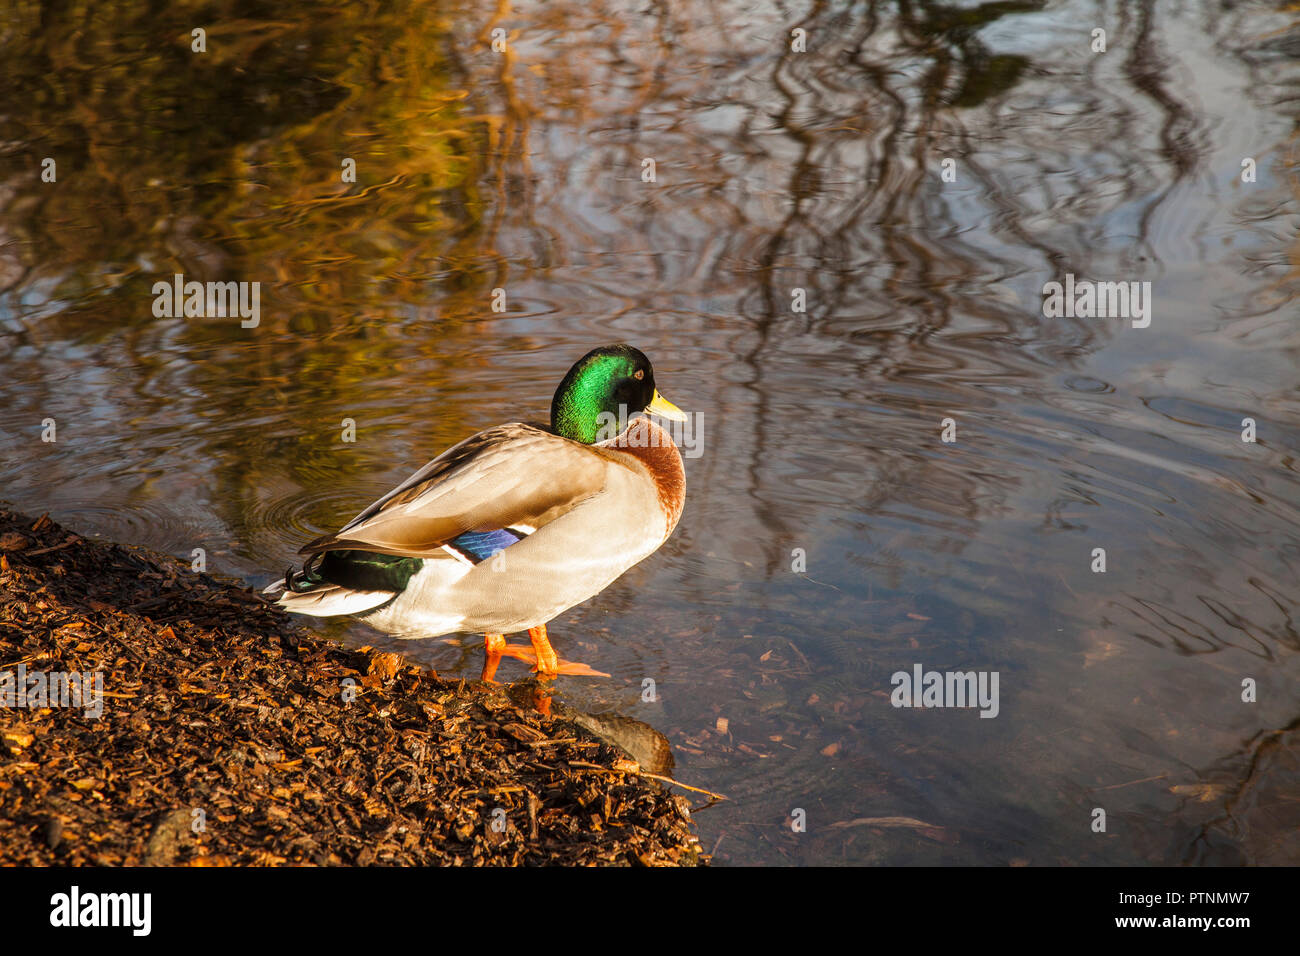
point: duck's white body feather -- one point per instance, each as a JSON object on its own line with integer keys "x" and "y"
{"x": 596, "y": 510}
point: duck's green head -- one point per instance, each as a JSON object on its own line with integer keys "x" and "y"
{"x": 614, "y": 380}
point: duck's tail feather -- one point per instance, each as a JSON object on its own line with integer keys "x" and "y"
{"x": 306, "y": 592}
{"x": 332, "y": 599}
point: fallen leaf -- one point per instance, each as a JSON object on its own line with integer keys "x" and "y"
{"x": 18, "y": 738}
{"x": 385, "y": 665}
{"x": 1203, "y": 792}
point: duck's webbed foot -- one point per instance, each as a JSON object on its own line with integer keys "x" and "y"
{"x": 541, "y": 656}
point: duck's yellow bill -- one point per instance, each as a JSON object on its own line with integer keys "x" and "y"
{"x": 665, "y": 409}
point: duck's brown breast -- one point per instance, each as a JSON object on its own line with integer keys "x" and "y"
{"x": 654, "y": 448}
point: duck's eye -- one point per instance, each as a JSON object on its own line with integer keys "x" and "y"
{"x": 639, "y": 374}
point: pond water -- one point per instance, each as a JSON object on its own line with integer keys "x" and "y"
{"x": 831, "y": 537}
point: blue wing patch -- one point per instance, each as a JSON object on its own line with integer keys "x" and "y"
{"x": 478, "y": 546}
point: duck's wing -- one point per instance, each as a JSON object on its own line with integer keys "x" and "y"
{"x": 514, "y": 475}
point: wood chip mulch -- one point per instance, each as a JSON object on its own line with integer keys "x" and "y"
{"x": 226, "y": 738}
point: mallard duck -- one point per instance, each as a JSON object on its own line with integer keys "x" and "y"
{"x": 514, "y": 525}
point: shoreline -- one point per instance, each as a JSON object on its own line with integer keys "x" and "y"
{"x": 227, "y": 735}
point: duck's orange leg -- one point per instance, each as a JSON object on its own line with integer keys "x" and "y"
{"x": 492, "y": 656}
{"x": 542, "y": 657}
{"x": 548, "y": 662}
